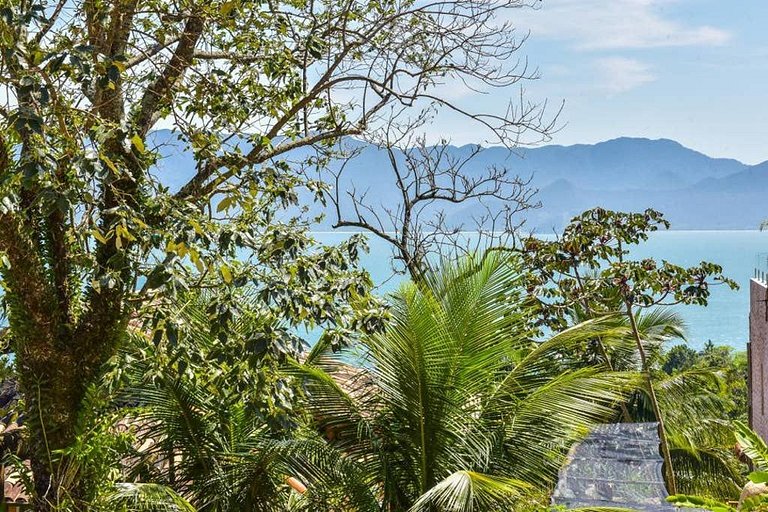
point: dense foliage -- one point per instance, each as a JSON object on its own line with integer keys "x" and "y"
{"x": 452, "y": 406}
{"x": 93, "y": 231}
{"x": 456, "y": 406}
{"x": 155, "y": 321}
{"x": 587, "y": 272}
{"x": 454, "y": 402}
{"x": 756, "y": 499}
{"x": 730, "y": 365}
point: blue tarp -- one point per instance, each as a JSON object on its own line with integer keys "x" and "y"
{"x": 617, "y": 465}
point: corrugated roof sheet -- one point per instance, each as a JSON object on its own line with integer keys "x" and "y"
{"x": 617, "y": 465}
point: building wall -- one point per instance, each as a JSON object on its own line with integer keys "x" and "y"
{"x": 758, "y": 357}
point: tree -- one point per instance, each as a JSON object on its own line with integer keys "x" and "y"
{"x": 431, "y": 183}
{"x": 596, "y": 242}
{"x": 729, "y": 364}
{"x": 754, "y": 449}
{"x": 455, "y": 406}
{"x": 679, "y": 358}
{"x": 213, "y": 418}
{"x": 91, "y": 231}
{"x": 698, "y": 432}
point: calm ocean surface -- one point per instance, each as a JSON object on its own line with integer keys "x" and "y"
{"x": 724, "y": 321}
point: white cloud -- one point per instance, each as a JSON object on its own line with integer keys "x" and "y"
{"x": 618, "y": 74}
{"x": 614, "y": 24}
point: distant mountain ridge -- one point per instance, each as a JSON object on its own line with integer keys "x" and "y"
{"x": 712, "y": 193}
{"x": 694, "y": 191}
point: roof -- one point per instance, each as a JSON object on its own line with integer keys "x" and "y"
{"x": 617, "y": 465}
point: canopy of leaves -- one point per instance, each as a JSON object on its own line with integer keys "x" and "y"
{"x": 586, "y": 271}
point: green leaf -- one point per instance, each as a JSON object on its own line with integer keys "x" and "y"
{"x": 759, "y": 477}
{"x": 138, "y": 144}
{"x": 109, "y": 163}
{"x": 98, "y": 236}
{"x": 225, "y": 203}
{"x": 682, "y": 500}
{"x": 752, "y": 445}
{"x": 226, "y": 273}
{"x": 228, "y": 7}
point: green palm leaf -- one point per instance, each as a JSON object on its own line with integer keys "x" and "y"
{"x": 468, "y": 491}
{"x": 143, "y": 497}
{"x": 752, "y": 445}
{"x": 460, "y": 404}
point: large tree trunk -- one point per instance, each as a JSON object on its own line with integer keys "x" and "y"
{"x": 59, "y": 355}
{"x": 54, "y": 382}
{"x": 53, "y": 390}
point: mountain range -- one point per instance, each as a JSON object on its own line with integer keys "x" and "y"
{"x": 693, "y": 190}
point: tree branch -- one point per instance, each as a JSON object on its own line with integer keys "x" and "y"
{"x": 158, "y": 95}
{"x": 49, "y": 23}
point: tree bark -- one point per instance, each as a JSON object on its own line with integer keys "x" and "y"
{"x": 53, "y": 393}
{"x": 56, "y": 360}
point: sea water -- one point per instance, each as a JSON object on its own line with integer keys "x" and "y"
{"x": 724, "y": 321}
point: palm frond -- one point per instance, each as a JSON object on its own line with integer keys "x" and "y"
{"x": 468, "y": 491}
{"x": 700, "y": 436}
{"x": 543, "y": 424}
{"x": 458, "y": 395}
{"x": 661, "y": 324}
{"x": 332, "y": 478}
{"x": 752, "y": 445}
{"x": 143, "y": 497}
{"x": 706, "y": 471}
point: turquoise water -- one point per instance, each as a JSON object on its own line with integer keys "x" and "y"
{"x": 724, "y": 321}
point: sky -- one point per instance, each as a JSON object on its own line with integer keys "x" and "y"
{"x": 695, "y": 71}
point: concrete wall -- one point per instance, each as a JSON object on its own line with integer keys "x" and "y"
{"x": 758, "y": 357}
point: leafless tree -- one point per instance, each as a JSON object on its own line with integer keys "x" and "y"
{"x": 431, "y": 180}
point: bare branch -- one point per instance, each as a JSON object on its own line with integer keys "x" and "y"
{"x": 50, "y": 22}
{"x": 431, "y": 181}
{"x": 145, "y": 55}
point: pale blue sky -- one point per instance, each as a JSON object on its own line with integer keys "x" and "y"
{"x": 695, "y": 71}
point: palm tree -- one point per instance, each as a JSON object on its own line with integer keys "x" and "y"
{"x": 754, "y": 449}
{"x": 697, "y": 427}
{"x": 212, "y": 419}
{"x": 700, "y": 433}
{"x": 454, "y": 406}
{"x": 698, "y": 430}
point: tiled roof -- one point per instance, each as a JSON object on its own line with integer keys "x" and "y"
{"x": 13, "y": 486}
